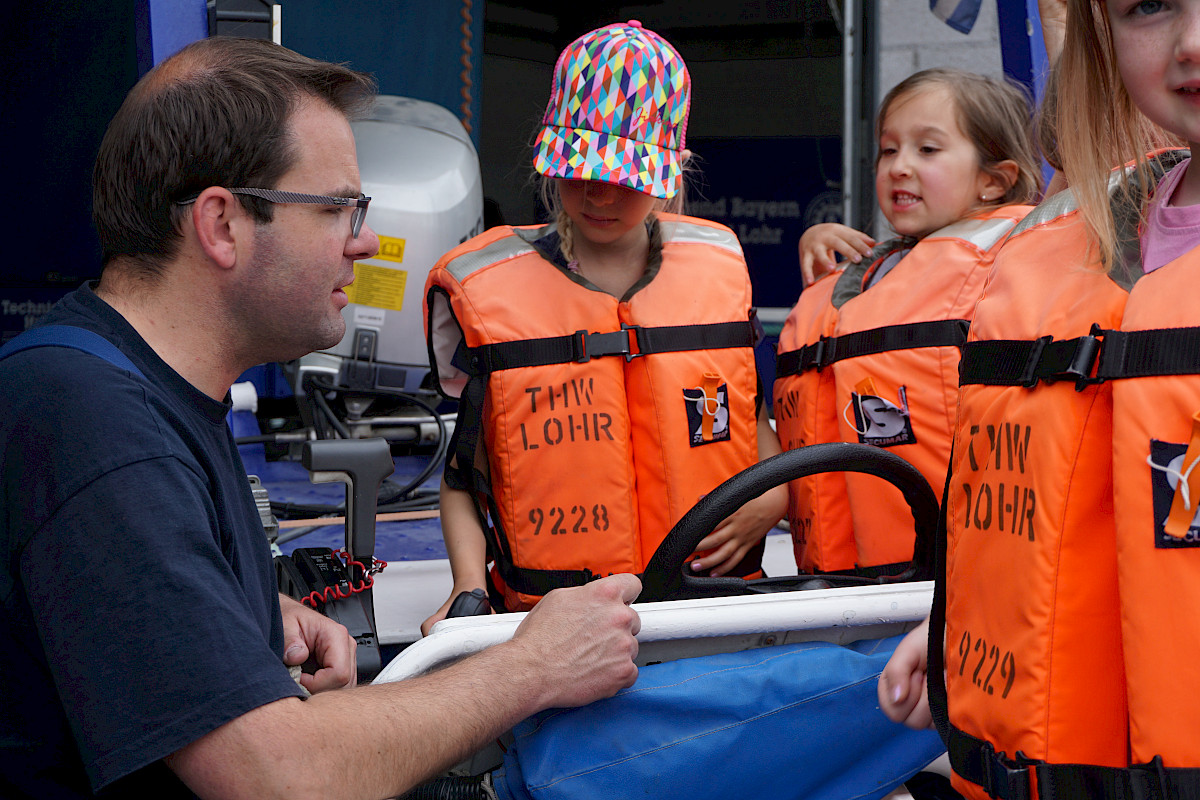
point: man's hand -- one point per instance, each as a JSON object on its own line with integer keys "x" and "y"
{"x": 307, "y": 632}
{"x": 903, "y": 694}
{"x": 582, "y": 641}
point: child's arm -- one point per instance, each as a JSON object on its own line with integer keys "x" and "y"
{"x": 1053, "y": 16}
{"x": 734, "y": 537}
{"x": 903, "y": 694}
{"x": 466, "y": 547}
{"x": 821, "y": 245}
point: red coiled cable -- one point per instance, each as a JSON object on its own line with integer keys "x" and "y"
{"x": 346, "y": 588}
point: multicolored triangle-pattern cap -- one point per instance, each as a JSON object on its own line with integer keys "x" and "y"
{"x": 618, "y": 111}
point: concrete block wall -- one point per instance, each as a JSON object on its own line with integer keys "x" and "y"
{"x": 911, "y": 39}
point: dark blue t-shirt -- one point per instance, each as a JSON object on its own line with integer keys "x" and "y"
{"x": 138, "y": 605}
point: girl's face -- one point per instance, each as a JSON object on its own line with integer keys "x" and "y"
{"x": 928, "y": 173}
{"x": 603, "y": 213}
{"x": 1157, "y": 47}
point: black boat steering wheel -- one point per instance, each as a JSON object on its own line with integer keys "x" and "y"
{"x": 668, "y": 575}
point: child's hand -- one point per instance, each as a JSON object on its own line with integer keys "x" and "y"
{"x": 821, "y": 245}
{"x": 903, "y": 694}
{"x": 1053, "y": 14}
{"x": 733, "y": 538}
{"x": 440, "y": 614}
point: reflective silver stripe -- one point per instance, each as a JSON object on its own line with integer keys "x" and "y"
{"x": 983, "y": 233}
{"x": 500, "y": 250}
{"x": 1053, "y": 207}
{"x": 1065, "y": 202}
{"x": 680, "y": 232}
{"x": 674, "y": 232}
{"x": 531, "y": 235}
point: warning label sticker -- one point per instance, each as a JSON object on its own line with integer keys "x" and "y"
{"x": 391, "y": 249}
{"x": 381, "y": 287}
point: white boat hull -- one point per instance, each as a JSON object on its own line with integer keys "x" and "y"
{"x": 687, "y": 628}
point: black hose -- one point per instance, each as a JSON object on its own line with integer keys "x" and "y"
{"x": 443, "y": 442}
{"x": 323, "y": 405}
{"x": 283, "y": 437}
{"x": 468, "y": 787}
{"x": 392, "y": 497}
{"x": 266, "y": 438}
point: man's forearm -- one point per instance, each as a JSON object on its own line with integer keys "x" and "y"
{"x": 367, "y": 742}
{"x": 376, "y": 741}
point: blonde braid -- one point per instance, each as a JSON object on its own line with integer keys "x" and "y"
{"x": 655, "y": 254}
{"x": 566, "y": 235}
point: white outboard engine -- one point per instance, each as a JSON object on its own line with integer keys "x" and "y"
{"x": 420, "y": 168}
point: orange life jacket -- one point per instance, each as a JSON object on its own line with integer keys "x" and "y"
{"x": 1157, "y": 422}
{"x": 818, "y": 511}
{"x": 1062, "y": 670}
{"x": 603, "y": 420}
{"x": 890, "y": 355}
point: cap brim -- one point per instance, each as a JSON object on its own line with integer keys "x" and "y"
{"x": 579, "y": 154}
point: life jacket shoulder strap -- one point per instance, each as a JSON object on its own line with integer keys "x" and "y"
{"x": 831, "y": 349}
{"x": 1100, "y": 356}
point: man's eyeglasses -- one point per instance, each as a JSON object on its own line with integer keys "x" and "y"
{"x": 360, "y": 203}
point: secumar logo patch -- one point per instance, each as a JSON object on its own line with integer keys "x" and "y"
{"x": 878, "y": 421}
{"x": 707, "y": 407}
{"x": 1169, "y": 479}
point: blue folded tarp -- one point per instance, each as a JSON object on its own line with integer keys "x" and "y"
{"x": 797, "y": 721}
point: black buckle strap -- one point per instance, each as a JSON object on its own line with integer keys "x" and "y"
{"x": 615, "y": 343}
{"x": 1069, "y": 360}
{"x": 1138, "y": 354}
{"x": 711, "y": 336}
{"x": 1009, "y": 779}
{"x": 911, "y": 336}
{"x": 1009, "y": 362}
{"x": 1102, "y": 355}
{"x": 1154, "y": 781}
{"x": 978, "y": 762}
{"x": 1006, "y": 779}
{"x": 810, "y": 356}
{"x": 1085, "y": 359}
{"x": 629, "y": 342}
{"x": 540, "y": 582}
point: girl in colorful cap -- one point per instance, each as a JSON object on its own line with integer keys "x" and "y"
{"x": 604, "y": 361}
{"x": 870, "y": 354}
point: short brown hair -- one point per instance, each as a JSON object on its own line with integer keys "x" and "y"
{"x": 214, "y": 114}
{"x": 994, "y": 115}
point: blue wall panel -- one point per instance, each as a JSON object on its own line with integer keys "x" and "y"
{"x": 413, "y": 47}
{"x": 165, "y": 26}
{"x": 67, "y": 67}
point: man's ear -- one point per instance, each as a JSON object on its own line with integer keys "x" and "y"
{"x": 1000, "y": 178}
{"x": 219, "y": 222}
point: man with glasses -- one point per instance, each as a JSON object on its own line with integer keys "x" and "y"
{"x": 146, "y": 650}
